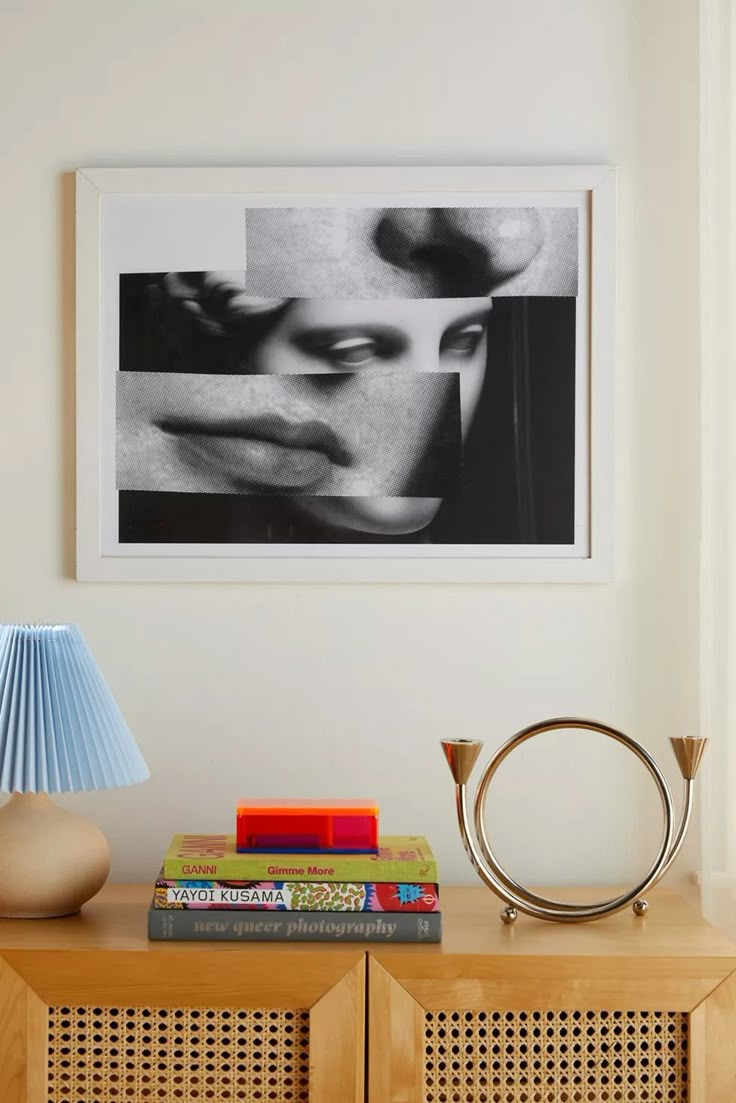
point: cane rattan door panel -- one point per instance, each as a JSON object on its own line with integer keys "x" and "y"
{"x": 182, "y": 1023}
{"x": 180, "y": 1034}
{"x": 227, "y": 1054}
{"x": 555, "y": 1057}
{"x": 618, "y": 1011}
{"x": 485, "y": 1054}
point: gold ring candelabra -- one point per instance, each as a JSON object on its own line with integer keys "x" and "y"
{"x": 461, "y": 755}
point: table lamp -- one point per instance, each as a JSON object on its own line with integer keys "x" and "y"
{"x": 60, "y": 732}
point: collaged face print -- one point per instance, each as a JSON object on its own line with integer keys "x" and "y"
{"x": 367, "y": 376}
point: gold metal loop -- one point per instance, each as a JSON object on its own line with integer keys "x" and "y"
{"x": 461, "y": 755}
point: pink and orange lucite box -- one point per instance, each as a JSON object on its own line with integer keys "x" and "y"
{"x": 340, "y": 826}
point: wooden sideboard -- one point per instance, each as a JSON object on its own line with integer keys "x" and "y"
{"x": 623, "y": 1010}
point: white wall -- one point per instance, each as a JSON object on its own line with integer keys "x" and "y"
{"x": 234, "y": 690}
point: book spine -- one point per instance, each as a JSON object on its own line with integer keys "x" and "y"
{"x": 263, "y": 867}
{"x": 233, "y": 926}
{"x": 307, "y": 896}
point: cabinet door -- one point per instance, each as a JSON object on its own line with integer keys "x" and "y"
{"x": 89, "y": 1026}
{"x": 451, "y": 1029}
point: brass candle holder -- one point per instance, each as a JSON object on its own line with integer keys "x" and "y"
{"x": 461, "y": 755}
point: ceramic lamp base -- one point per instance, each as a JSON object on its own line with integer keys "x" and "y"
{"x": 51, "y": 860}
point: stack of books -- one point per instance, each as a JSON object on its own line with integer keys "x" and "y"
{"x": 209, "y": 889}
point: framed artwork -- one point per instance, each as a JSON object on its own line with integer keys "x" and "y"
{"x": 345, "y": 374}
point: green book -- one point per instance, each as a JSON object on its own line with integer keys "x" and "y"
{"x": 403, "y": 858}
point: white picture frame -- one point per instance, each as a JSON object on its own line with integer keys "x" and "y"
{"x": 102, "y": 193}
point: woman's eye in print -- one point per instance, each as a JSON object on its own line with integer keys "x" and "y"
{"x": 463, "y": 340}
{"x": 351, "y": 352}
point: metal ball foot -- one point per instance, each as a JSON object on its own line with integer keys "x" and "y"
{"x": 509, "y": 915}
{"x": 640, "y": 907}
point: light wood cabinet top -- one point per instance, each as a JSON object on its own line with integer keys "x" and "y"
{"x": 116, "y": 919}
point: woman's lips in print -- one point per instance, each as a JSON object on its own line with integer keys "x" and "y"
{"x": 269, "y": 451}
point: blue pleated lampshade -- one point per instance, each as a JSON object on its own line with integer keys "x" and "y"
{"x": 60, "y": 728}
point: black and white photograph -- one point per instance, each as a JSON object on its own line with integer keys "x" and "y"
{"x": 369, "y": 375}
{"x": 319, "y": 378}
